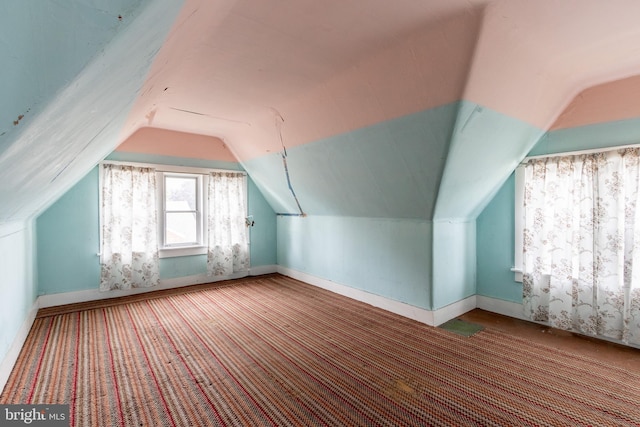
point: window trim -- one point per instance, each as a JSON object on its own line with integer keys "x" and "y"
{"x": 179, "y": 251}
{"x": 518, "y": 222}
{"x": 196, "y": 248}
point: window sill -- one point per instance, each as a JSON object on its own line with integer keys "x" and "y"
{"x": 517, "y": 274}
{"x": 182, "y": 251}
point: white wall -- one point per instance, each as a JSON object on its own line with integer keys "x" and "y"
{"x": 17, "y": 291}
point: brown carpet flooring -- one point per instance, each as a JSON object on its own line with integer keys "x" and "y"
{"x": 275, "y": 351}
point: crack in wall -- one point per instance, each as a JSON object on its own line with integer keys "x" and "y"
{"x": 279, "y": 121}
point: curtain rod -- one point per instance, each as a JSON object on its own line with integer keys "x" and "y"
{"x": 578, "y": 152}
{"x": 169, "y": 168}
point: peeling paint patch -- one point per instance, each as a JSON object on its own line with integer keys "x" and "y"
{"x": 150, "y": 116}
{"x": 17, "y": 122}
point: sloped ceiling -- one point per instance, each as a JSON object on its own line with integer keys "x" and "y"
{"x": 612, "y": 101}
{"x": 319, "y": 78}
{"x": 70, "y": 73}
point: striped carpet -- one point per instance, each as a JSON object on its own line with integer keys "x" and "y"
{"x": 272, "y": 351}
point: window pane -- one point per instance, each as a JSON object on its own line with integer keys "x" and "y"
{"x": 181, "y": 228}
{"x": 180, "y": 193}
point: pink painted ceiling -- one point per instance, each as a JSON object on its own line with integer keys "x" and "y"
{"x": 234, "y": 69}
{"x": 165, "y": 142}
{"x": 607, "y": 102}
{"x": 252, "y": 75}
{"x": 533, "y": 57}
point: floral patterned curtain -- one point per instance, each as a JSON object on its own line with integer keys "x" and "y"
{"x": 228, "y": 244}
{"x": 581, "y": 261}
{"x": 129, "y": 255}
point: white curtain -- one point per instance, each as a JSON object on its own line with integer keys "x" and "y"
{"x": 581, "y": 260}
{"x": 228, "y": 250}
{"x": 129, "y": 254}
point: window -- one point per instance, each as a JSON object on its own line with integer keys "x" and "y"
{"x": 519, "y": 176}
{"x": 185, "y": 197}
{"x": 182, "y": 210}
{"x": 181, "y": 214}
{"x": 581, "y": 242}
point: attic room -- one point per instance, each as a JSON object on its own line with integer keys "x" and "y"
{"x": 384, "y": 150}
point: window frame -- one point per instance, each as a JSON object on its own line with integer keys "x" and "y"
{"x": 518, "y": 221}
{"x": 198, "y": 247}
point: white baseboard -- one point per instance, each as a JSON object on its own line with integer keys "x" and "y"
{"x": 9, "y": 360}
{"x": 53, "y": 300}
{"x": 454, "y": 310}
{"x": 263, "y": 269}
{"x": 431, "y": 318}
{"x": 506, "y": 308}
{"x": 196, "y": 279}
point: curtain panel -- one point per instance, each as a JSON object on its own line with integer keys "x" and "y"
{"x": 581, "y": 259}
{"x": 228, "y": 250}
{"x": 129, "y": 246}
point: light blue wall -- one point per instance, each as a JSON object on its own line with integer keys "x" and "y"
{"x": 454, "y": 262}
{"x": 442, "y": 165}
{"x": 601, "y": 135}
{"x": 387, "y": 257}
{"x": 369, "y": 195}
{"x": 496, "y": 241}
{"x": 17, "y": 280}
{"x": 388, "y": 170}
{"x": 263, "y": 235}
{"x": 75, "y": 89}
{"x": 68, "y": 233}
{"x": 59, "y": 37}
{"x": 183, "y": 266}
{"x": 68, "y": 240}
{"x": 486, "y": 146}
{"x": 495, "y": 226}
